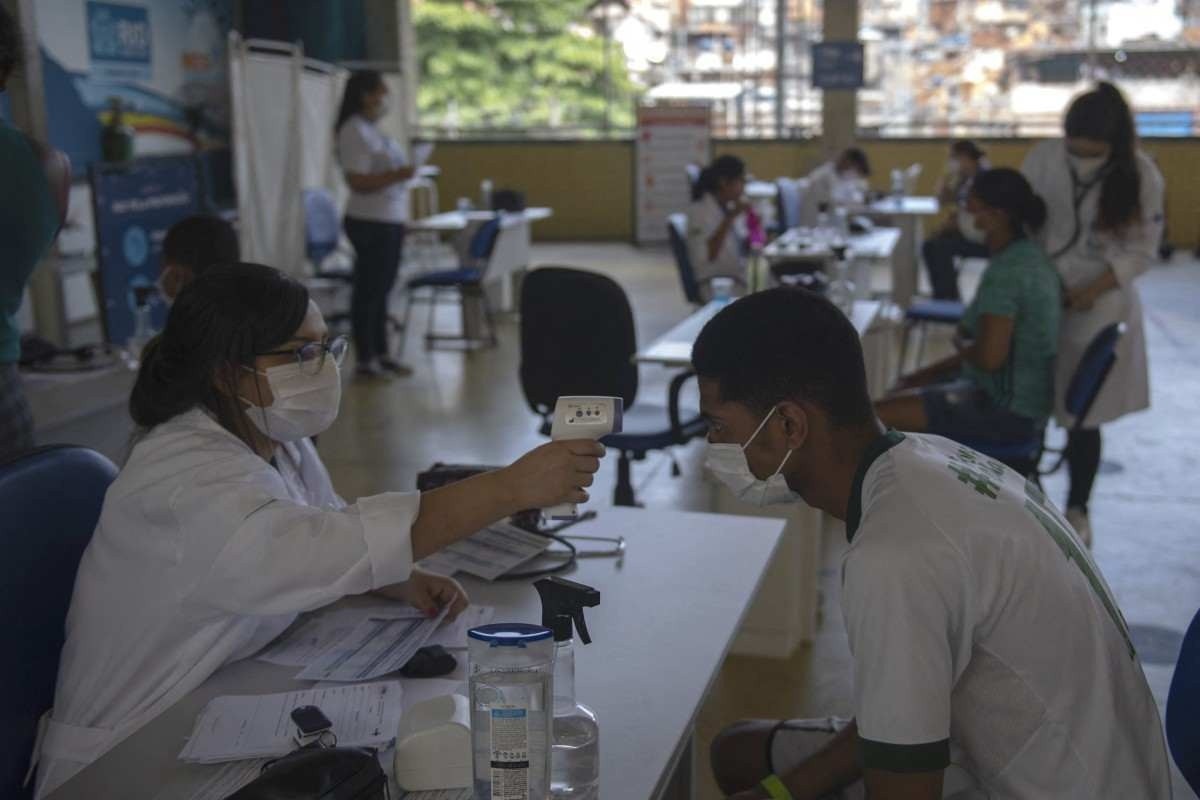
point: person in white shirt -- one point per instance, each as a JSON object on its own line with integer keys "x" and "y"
{"x": 376, "y": 169}
{"x": 223, "y": 524}
{"x": 957, "y": 237}
{"x": 716, "y": 221}
{"x": 982, "y": 633}
{"x": 1105, "y": 202}
{"x": 840, "y": 181}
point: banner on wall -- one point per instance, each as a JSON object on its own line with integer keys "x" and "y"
{"x": 669, "y": 139}
{"x": 165, "y": 61}
{"x": 134, "y": 206}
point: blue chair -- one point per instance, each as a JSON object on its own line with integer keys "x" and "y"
{"x": 577, "y": 338}
{"x": 677, "y": 235}
{"x": 1183, "y": 707}
{"x": 1084, "y": 388}
{"x": 51, "y": 499}
{"x": 322, "y": 238}
{"x": 920, "y": 315}
{"x": 466, "y": 282}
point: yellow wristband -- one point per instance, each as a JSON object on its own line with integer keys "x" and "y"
{"x": 775, "y": 788}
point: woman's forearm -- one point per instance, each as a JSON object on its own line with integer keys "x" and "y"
{"x": 453, "y": 512}
{"x": 717, "y": 240}
{"x": 377, "y": 181}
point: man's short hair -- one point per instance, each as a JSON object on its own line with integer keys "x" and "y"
{"x": 786, "y": 344}
{"x": 857, "y": 158}
{"x": 199, "y": 242}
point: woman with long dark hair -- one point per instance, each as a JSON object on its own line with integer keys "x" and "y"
{"x": 717, "y": 210}
{"x": 1000, "y": 383}
{"x": 376, "y": 170}
{"x": 224, "y": 525}
{"x": 1105, "y": 202}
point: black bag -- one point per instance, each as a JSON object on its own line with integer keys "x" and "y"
{"x": 509, "y": 200}
{"x": 319, "y": 773}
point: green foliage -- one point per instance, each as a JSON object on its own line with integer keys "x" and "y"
{"x": 516, "y": 64}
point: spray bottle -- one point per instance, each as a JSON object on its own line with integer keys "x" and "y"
{"x": 575, "y": 748}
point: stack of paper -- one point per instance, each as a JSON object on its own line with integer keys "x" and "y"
{"x": 378, "y": 646}
{"x": 238, "y": 727}
{"x": 488, "y": 554}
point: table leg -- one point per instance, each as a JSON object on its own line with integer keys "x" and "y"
{"x": 680, "y": 785}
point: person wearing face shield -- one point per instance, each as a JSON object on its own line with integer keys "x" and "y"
{"x": 376, "y": 169}
{"x": 958, "y": 237}
{"x": 999, "y": 385}
{"x": 1104, "y": 198}
{"x": 990, "y": 658}
{"x": 223, "y": 524}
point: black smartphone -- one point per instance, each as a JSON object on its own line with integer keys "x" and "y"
{"x": 310, "y": 721}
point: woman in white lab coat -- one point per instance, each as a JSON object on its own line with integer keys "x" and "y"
{"x": 1105, "y": 201}
{"x": 223, "y": 524}
{"x": 716, "y": 221}
{"x": 838, "y": 182}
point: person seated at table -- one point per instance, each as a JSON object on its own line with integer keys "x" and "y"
{"x": 841, "y": 181}
{"x": 191, "y": 246}
{"x": 957, "y": 237}
{"x": 978, "y": 624}
{"x": 716, "y": 221}
{"x": 1000, "y": 383}
{"x": 223, "y": 524}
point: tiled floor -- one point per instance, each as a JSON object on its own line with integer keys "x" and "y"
{"x": 469, "y": 408}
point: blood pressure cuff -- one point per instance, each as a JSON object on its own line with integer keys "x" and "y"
{"x": 444, "y": 474}
{"x": 319, "y": 773}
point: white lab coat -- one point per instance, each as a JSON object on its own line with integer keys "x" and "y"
{"x": 1128, "y": 386}
{"x": 827, "y": 187}
{"x": 203, "y": 554}
{"x": 704, "y": 217}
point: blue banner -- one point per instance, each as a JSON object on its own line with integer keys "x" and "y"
{"x": 134, "y": 207}
{"x": 837, "y": 65}
{"x": 119, "y": 40}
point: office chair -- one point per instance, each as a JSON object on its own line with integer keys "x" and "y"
{"x": 51, "y": 499}
{"x": 322, "y": 238}
{"x": 920, "y": 315}
{"x": 466, "y": 281}
{"x": 677, "y": 235}
{"x": 1183, "y": 707}
{"x": 692, "y": 172}
{"x": 1087, "y": 381}
{"x": 789, "y": 198}
{"x": 577, "y": 338}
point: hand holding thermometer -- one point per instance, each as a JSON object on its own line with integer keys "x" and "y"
{"x": 583, "y": 418}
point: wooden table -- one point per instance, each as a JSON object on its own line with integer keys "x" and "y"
{"x": 669, "y": 611}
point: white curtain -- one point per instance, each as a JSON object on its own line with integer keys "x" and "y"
{"x": 284, "y": 107}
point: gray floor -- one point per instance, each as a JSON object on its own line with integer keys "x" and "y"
{"x": 460, "y": 407}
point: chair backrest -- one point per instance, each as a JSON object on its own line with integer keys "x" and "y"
{"x": 693, "y": 177}
{"x": 483, "y": 242}
{"x": 321, "y": 225}
{"x": 51, "y": 499}
{"x": 677, "y": 234}
{"x": 422, "y": 197}
{"x": 1092, "y": 371}
{"x": 791, "y": 193}
{"x": 577, "y": 338}
{"x": 1183, "y": 707}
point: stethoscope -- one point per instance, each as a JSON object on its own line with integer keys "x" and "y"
{"x": 570, "y": 554}
{"x": 1079, "y": 193}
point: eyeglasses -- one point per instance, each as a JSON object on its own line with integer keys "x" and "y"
{"x": 311, "y": 356}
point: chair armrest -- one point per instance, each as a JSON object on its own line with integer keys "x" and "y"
{"x": 673, "y": 404}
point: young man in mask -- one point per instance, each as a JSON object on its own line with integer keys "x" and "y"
{"x": 191, "y": 247}
{"x": 978, "y": 624}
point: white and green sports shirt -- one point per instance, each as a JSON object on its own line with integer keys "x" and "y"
{"x": 980, "y": 627}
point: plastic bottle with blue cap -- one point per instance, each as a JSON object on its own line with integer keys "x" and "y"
{"x": 511, "y": 684}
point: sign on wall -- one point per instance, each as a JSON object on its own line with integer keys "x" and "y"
{"x": 119, "y": 41}
{"x": 837, "y": 65}
{"x": 669, "y": 139}
{"x": 134, "y": 207}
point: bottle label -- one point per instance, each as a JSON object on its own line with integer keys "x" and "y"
{"x": 510, "y": 753}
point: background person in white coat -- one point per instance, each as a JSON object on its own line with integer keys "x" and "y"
{"x": 223, "y": 524}
{"x": 716, "y": 221}
{"x": 1105, "y": 202}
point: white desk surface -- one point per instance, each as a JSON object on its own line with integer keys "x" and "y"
{"x": 667, "y": 617}
{"x": 911, "y": 206}
{"x": 796, "y": 244}
{"x": 761, "y": 190}
{"x": 459, "y": 220}
{"x": 674, "y": 348}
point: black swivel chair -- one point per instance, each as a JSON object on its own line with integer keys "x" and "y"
{"x": 577, "y": 338}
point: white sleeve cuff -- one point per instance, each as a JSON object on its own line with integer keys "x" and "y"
{"x": 387, "y": 521}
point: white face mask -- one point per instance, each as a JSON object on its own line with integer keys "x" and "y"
{"x": 1086, "y": 167}
{"x": 970, "y": 231}
{"x": 728, "y": 463}
{"x": 303, "y": 405}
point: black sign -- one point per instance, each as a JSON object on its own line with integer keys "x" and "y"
{"x": 837, "y": 65}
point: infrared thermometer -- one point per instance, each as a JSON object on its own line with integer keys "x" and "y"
{"x": 583, "y": 418}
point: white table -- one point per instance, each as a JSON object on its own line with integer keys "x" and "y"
{"x": 511, "y": 255}
{"x": 908, "y": 213}
{"x": 785, "y": 613}
{"x": 797, "y": 244}
{"x": 667, "y": 616}
{"x": 58, "y": 398}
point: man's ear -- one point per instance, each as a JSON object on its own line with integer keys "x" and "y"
{"x": 795, "y": 423}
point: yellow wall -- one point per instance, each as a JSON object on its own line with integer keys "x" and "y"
{"x": 590, "y": 184}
